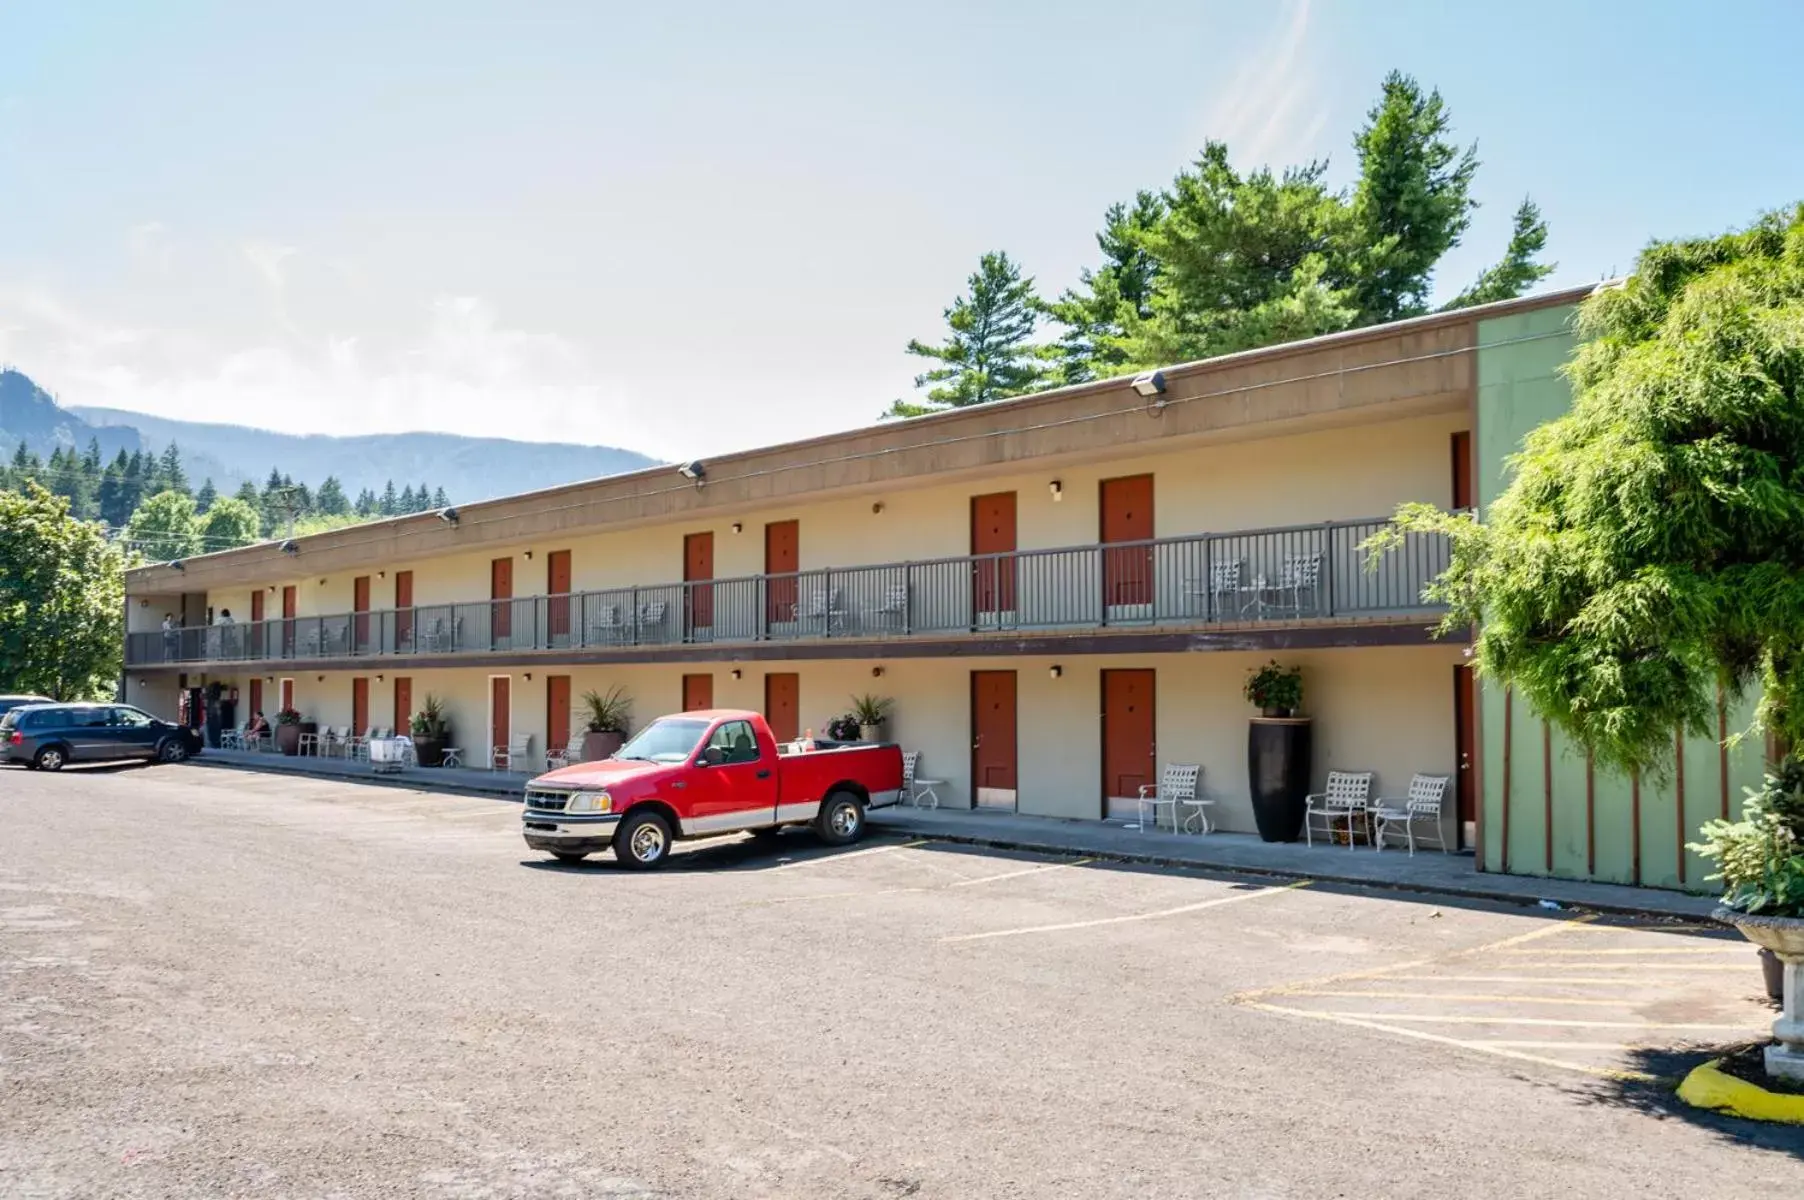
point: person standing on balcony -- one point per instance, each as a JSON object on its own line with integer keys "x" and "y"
{"x": 223, "y": 646}
{"x": 170, "y": 638}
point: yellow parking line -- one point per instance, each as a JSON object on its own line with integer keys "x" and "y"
{"x": 1423, "y": 1035}
{"x": 1122, "y": 920}
{"x": 1018, "y": 874}
{"x": 1463, "y": 997}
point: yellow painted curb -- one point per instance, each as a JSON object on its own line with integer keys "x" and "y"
{"x": 1707, "y": 1087}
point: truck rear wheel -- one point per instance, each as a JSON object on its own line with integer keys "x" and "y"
{"x": 841, "y": 820}
{"x": 642, "y": 841}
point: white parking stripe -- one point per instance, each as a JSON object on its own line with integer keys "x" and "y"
{"x": 837, "y": 858}
{"x": 1099, "y": 921}
{"x": 1018, "y": 874}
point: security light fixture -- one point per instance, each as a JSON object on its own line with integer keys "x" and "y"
{"x": 529, "y": 556}
{"x": 378, "y": 679}
{"x": 877, "y": 508}
{"x": 738, "y": 528}
{"x": 876, "y": 672}
{"x": 1056, "y": 671}
{"x": 737, "y": 673}
{"x": 1150, "y": 383}
{"x": 1057, "y": 488}
{"x": 178, "y": 565}
{"x": 448, "y": 515}
{"x": 696, "y": 471}
{"x": 289, "y": 547}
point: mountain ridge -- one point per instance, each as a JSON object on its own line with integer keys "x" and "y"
{"x": 468, "y": 468}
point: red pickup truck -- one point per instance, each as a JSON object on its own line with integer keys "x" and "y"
{"x": 702, "y": 773}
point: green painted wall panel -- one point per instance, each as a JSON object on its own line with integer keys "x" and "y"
{"x": 1568, "y": 810}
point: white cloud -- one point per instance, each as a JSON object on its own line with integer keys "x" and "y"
{"x": 149, "y": 245}
{"x": 460, "y": 369}
{"x": 1271, "y": 111}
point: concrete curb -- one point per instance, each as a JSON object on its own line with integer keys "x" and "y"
{"x": 1402, "y": 885}
{"x": 408, "y": 782}
{"x": 1711, "y": 1088}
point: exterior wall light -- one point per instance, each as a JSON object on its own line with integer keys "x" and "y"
{"x": 738, "y": 528}
{"x": 289, "y": 547}
{"x": 1057, "y": 488}
{"x": 1150, "y": 383}
{"x": 1057, "y": 671}
{"x": 696, "y": 471}
{"x": 876, "y": 672}
{"x": 877, "y": 508}
{"x": 529, "y": 556}
{"x": 737, "y": 673}
{"x": 178, "y": 565}
{"x": 448, "y": 515}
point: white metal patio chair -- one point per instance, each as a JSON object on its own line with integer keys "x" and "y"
{"x": 823, "y": 607}
{"x": 1347, "y": 797}
{"x": 231, "y": 739}
{"x": 651, "y": 620}
{"x": 1300, "y": 573}
{"x": 515, "y": 756}
{"x": 916, "y": 790}
{"x": 1224, "y": 584}
{"x": 1177, "y": 790}
{"x": 607, "y": 630}
{"x": 310, "y": 742}
{"x": 894, "y": 609}
{"x": 1422, "y": 804}
{"x": 565, "y": 756}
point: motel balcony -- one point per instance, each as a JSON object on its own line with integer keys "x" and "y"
{"x": 1296, "y": 585}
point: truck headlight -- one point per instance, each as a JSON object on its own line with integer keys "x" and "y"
{"x": 591, "y": 802}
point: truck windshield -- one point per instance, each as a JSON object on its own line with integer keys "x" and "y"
{"x": 668, "y": 741}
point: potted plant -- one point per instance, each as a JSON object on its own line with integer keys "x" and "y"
{"x": 870, "y": 712}
{"x": 1760, "y": 862}
{"x": 430, "y": 732}
{"x": 1278, "y": 746}
{"x": 844, "y": 729}
{"x": 288, "y": 731}
{"x": 604, "y": 723}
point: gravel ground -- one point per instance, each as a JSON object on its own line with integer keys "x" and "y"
{"x": 225, "y": 983}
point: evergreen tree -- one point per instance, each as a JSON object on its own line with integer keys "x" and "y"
{"x": 438, "y": 499}
{"x": 1518, "y": 271}
{"x": 366, "y": 502}
{"x": 203, "y": 499}
{"x": 169, "y": 474}
{"x": 407, "y": 503}
{"x": 90, "y": 461}
{"x": 330, "y": 499}
{"x": 422, "y": 498}
{"x": 115, "y": 509}
{"x": 389, "y": 504}
{"x": 1098, "y": 313}
{"x": 247, "y": 492}
{"x": 987, "y": 354}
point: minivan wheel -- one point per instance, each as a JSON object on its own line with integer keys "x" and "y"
{"x": 173, "y": 750}
{"x": 642, "y": 841}
{"x": 50, "y": 758}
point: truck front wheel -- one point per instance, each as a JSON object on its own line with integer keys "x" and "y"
{"x": 841, "y": 821}
{"x": 642, "y": 841}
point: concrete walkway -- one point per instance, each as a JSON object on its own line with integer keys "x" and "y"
{"x": 1428, "y": 872}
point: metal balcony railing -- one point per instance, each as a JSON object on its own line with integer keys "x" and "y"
{"x": 1260, "y": 576}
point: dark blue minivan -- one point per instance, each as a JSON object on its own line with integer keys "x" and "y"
{"x": 49, "y": 736}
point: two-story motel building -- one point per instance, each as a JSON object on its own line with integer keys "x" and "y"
{"x": 1059, "y": 592}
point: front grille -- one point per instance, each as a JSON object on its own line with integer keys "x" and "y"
{"x": 547, "y": 801}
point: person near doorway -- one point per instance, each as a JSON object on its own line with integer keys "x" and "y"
{"x": 226, "y": 647}
{"x": 170, "y": 638}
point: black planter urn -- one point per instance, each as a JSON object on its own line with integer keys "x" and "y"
{"x": 1278, "y": 774}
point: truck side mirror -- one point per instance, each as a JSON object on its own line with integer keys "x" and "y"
{"x": 713, "y": 756}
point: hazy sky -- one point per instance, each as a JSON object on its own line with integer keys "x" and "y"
{"x": 687, "y": 228}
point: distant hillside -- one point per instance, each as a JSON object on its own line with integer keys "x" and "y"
{"x": 29, "y": 414}
{"x": 468, "y": 468}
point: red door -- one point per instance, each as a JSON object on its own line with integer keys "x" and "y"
{"x": 259, "y": 636}
{"x": 557, "y": 586}
{"x": 698, "y": 569}
{"x": 501, "y": 612}
{"x": 1465, "y": 752}
{"x": 1462, "y": 470}
{"x": 360, "y": 604}
{"x": 557, "y": 712}
{"x": 993, "y": 738}
{"x": 698, "y": 692}
{"x": 782, "y": 557}
{"x": 360, "y": 706}
{"x": 290, "y": 608}
{"x": 403, "y": 705}
{"x": 256, "y": 693}
{"x": 1127, "y": 516}
{"x": 993, "y": 532}
{"x": 783, "y": 705}
{"x": 1129, "y": 753}
{"x": 500, "y": 711}
{"x": 403, "y": 610}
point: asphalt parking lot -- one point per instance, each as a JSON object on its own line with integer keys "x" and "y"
{"x": 216, "y": 982}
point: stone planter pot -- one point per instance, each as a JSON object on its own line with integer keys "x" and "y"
{"x": 870, "y": 733}
{"x": 429, "y": 751}
{"x": 288, "y": 737}
{"x": 601, "y": 745}
{"x": 1278, "y": 775}
{"x": 1784, "y": 936}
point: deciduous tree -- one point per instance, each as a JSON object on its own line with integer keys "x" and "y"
{"x": 165, "y": 527}
{"x": 62, "y": 599}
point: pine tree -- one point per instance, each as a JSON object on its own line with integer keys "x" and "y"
{"x": 112, "y": 496}
{"x": 987, "y": 355}
{"x": 169, "y": 474}
{"x": 438, "y": 499}
{"x": 247, "y": 492}
{"x": 366, "y": 502}
{"x": 203, "y": 499}
{"x": 407, "y": 504}
{"x": 1099, "y": 313}
{"x": 389, "y": 505}
{"x": 422, "y": 498}
{"x": 330, "y": 499}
